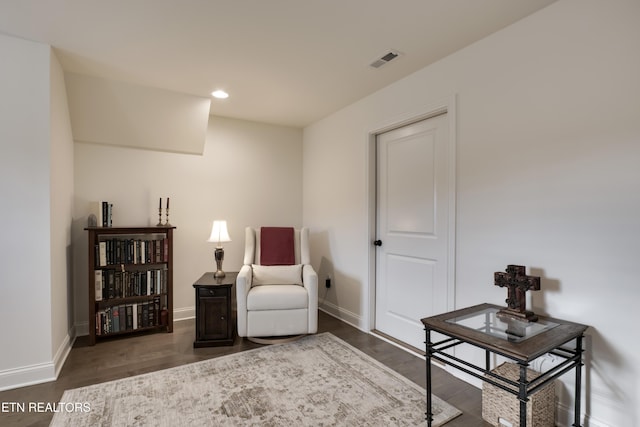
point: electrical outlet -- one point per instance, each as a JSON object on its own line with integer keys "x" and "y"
{"x": 327, "y": 282}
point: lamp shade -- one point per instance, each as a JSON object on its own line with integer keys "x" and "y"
{"x": 219, "y": 232}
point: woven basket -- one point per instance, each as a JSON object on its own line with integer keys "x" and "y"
{"x": 497, "y": 403}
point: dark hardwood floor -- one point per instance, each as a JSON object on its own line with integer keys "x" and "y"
{"x": 120, "y": 358}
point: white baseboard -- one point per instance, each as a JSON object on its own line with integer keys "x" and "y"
{"x": 184, "y": 313}
{"x": 63, "y": 351}
{"x": 82, "y": 328}
{"x": 564, "y": 417}
{"x": 395, "y": 344}
{"x": 39, "y": 373}
{"x": 342, "y": 314}
{"x": 27, "y": 375}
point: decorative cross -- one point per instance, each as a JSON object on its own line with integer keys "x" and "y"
{"x": 518, "y": 283}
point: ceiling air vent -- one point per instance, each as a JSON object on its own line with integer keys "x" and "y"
{"x": 387, "y": 57}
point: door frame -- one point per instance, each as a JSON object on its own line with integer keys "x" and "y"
{"x": 447, "y": 106}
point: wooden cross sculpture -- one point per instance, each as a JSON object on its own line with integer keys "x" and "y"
{"x": 518, "y": 283}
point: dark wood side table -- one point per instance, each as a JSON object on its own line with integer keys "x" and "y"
{"x": 215, "y": 310}
{"x": 520, "y": 342}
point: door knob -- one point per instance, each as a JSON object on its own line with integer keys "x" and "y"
{"x": 377, "y": 242}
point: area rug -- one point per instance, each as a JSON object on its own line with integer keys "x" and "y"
{"x": 317, "y": 381}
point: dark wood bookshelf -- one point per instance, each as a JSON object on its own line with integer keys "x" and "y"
{"x": 160, "y": 262}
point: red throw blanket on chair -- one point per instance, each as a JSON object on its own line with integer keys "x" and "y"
{"x": 277, "y": 246}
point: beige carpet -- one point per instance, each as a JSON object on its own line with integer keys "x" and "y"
{"x": 317, "y": 381}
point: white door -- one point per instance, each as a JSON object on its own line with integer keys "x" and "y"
{"x": 413, "y": 221}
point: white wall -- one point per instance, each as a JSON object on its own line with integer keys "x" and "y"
{"x": 61, "y": 182}
{"x": 33, "y": 318}
{"x": 548, "y": 143}
{"x": 249, "y": 174}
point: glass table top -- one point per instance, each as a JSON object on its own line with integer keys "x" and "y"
{"x": 508, "y": 329}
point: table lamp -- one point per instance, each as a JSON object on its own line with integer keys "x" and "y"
{"x": 219, "y": 234}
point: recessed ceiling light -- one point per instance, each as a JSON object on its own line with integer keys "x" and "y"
{"x": 220, "y": 94}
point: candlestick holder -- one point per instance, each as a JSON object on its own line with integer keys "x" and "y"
{"x": 167, "y": 223}
{"x": 159, "y": 224}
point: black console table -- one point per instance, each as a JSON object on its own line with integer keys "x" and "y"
{"x": 521, "y": 342}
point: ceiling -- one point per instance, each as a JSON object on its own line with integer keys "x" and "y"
{"x": 286, "y": 62}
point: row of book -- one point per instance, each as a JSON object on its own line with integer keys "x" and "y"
{"x": 111, "y": 284}
{"x": 132, "y": 251}
{"x": 129, "y": 317}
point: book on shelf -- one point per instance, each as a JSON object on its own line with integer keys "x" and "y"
{"x": 111, "y": 283}
{"x": 100, "y": 214}
{"x": 102, "y": 254}
{"x": 98, "y": 285}
{"x": 156, "y": 310}
{"x": 145, "y": 315}
{"x": 129, "y": 317}
{"x": 115, "y": 310}
{"x": 134, "y": 316}
{"x": 107, "y": 214}
{"x": 114, "y": 251}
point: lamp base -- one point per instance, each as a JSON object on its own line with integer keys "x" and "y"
{"x": 219, "y": 255}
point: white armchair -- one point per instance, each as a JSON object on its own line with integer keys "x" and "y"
{"x": 276, "y": 300}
